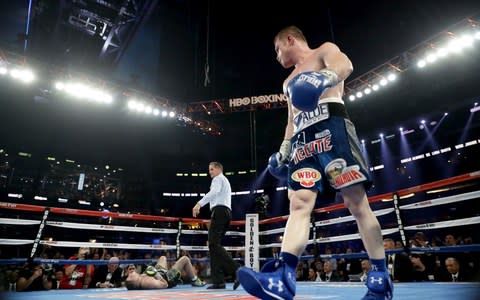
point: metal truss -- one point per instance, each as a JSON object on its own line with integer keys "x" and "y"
{"x": 130, "y": 15}
{"x": 110, "y": 24}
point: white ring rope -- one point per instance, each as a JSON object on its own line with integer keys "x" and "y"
{"x": 348, "y": 237}
{"x": 231, "y": 233}
{"x": 18, "y": 221}
{"x": 443, "y": 224}
{"x": 444, "y": 200}
{"x": 422, "y": 204}
{"x": 110, "y": 227}
{"x": 108, "y": 245}
{"x": 205, "y": 248}
{"x": 272, "y": 231}
{"x": 13, "y": 242}
{"x": 379, "y": 212}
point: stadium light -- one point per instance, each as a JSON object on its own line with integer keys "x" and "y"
{"x": 23, "y": 75}
{"x": 456, "y": 46}
{"x": 80, "y": 90}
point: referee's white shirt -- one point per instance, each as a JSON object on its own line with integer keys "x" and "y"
{"x": 220, "y": 193}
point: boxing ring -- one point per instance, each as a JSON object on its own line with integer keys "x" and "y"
{"x": 305, "y": 290}
{"x": 401, "y": 214}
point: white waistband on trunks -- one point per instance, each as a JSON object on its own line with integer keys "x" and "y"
{"x": 331, "y": 100}
{"x": 303, "y": 119}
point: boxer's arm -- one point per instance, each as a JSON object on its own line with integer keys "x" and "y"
{"x": 289, "y": 127}
{"x": 335, "y": 60}
{"x": 286, "y": 144}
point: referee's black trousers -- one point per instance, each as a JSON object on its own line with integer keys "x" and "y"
{"x": 221, "y": 263}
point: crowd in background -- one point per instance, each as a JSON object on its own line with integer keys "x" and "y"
{"x": 406, "y": 264}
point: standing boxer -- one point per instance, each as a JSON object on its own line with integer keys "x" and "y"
{"x": 323, "y": 153}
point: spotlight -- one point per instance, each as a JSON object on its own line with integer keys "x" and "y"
{"x": 132, "y": 104}
{"x": 391, "y": 77}
{"x": 454, "y": 46}
{"x": 59, "y": 86}
{"x": 431, "y": 58}
{"x": 442, "y": 52}
{"x": 140, "y": 107}
{"x": 466, "y": 41}
{"x": 475, "y": 108}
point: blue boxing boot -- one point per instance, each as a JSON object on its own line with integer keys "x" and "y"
{"x": 276, "y": 281}
{"x": 379, "y": 282}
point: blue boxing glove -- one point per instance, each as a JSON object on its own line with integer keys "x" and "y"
{"x": 278, "y": 161}
{"x": 277, "y": 167}
{"x": 305, "y": 89}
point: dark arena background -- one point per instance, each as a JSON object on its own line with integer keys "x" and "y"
{"x": 111, "y": 110}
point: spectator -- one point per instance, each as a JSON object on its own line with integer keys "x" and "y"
{"x": 275, "y": 252}
{"x": 32, "y": 278}
{"x": 352, "y": 265}
{"x": 399, "y": 264}
{"x": 109, "y": 276}
{"x": 311, "y": 275}
{"x": 77, "y": 276}
{"x": 299, "y": 272}
{"x": 419, "y": 270}
{"x": 8, "y": 277}
{"x": 450, "y": 240}
{"x": 366, "y": 266}
{"x": 454, "y": 272}
{"x": 58, "y": 275}
{"x": 329, "y": 274}
{"x": 318, "y": 270}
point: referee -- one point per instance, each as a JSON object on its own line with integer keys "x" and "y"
{"x": 219, "y": 197}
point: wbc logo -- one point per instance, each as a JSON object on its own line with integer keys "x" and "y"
{"x": 306, "y": 177}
